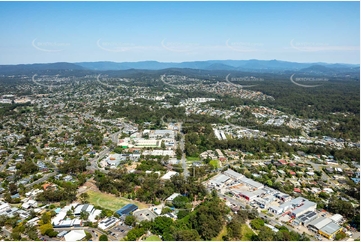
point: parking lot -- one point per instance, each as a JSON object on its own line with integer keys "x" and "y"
{"x": 144, "y": 214}
{"x": 119, "y": 231}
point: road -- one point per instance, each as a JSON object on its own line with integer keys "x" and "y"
{"x": 44, "y": 178}
{"x": 94, "y": 162}
{"x": 183, "y": 159}
{"x": 6, "y": 162}
{"x": 89, "y": 230}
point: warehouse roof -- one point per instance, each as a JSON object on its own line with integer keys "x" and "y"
{"x": 330, "y": 228}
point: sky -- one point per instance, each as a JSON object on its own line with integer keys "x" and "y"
{"x": 47, "y": 32}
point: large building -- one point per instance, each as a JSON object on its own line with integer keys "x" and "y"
{"x": 127, "y": 209}
{"x": 325, "y": 227}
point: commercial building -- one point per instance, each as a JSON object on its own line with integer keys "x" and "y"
{"x": 232, "y": 174}
{"x": 330, "y": 230}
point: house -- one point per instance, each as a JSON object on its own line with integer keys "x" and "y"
{"x": 68, "y": 178}
{"x": 171, "y": 198}
{"x": 29, "y": 204}
{"x": 168, "y": 175}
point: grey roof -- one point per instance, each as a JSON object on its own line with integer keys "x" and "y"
{"x": 251, "y": 182}
{"x": 330, "y": 228}
{"x": 232, "y": 174}
{"x": 305, "y": 206}
{"x": 320, "y": 222}
{"x": 220, "y": 179}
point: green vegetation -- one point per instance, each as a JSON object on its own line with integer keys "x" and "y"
{"x": 153, "y": 238}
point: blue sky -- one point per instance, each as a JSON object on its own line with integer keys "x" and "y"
{"x": 44, "y": 32}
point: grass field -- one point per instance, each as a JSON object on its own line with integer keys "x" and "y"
{"x": 190, "y": 158}
{"x": 221, "y": 234}
{"x": 110, "y": 201}
{"x": 246, "y": 233}
{"x": 153, "y": 238}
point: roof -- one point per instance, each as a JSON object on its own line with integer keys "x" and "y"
{"x": 220, "y": 179}
{"x": 252, "y": 183}
{"x": 320, "y": 222}
{"x": 174, "y": 195}
{"x": 127, "y": 209}
{"x": 232, "y": 174}
{"x": 168, "y": 175}
{"x": 307, "y": 216}
{"x": 330, "y": 228}
{"x": 336, "y": 218}
{"x": 75, "y": 235}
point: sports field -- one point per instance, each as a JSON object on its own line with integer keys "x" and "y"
{"x": 110, "y": 201}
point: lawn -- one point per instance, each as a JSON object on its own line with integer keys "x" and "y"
{"x": 190, "y": 158}
{"x": 153, "y": 238}
{"x": 110, "y": 201}
{"x": 246, "y": 233}
{"x": 221, "y": 234}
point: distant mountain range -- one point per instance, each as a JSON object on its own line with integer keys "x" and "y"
{"x": 211, "y": 65}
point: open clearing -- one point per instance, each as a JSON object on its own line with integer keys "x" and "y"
{"x": 110, "y": 201}
{"x": 153, "y": 238}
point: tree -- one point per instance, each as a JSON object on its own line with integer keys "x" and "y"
{"x": 265, "y": 234}
{"x": 234, "y": 229}
{"x": 84, "y": 197}
{"x": 340, "y": 235}
{"x": 257, "y": 223}
{"x": 187, "y": 235}
{"x": 88, "y": 236}
{"x": 45, "y": 227}
{"x": 84, "y": 215}
{"x": 103, "y": 237}
{"x": 129, "y": 220}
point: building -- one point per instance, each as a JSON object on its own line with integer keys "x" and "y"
{"x": 330, "y": 230}
{"x": 171, "y": 198}
{"x": 219, "y": 180}
{"x": 127, "y": 209}
{"x": 232, "y": 174}
{"x": 168, "y": 175}
{"x": 318, "y": 224}
{"x": 107, "y": 223}
{"x": 83, "y": 208}
{"x": 337, "y": 218}
{"x": 306, "y": 218}
{"x": 305, "y": 206}
{"x": 251, "y": 183}
{"x": 75, "y": 235}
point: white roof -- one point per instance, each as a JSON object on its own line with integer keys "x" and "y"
{"x": 174, "y": 195}
{"x": 168, "y": 175}
{"x": 75, "y": 235}
{"x": 336, "y": 218}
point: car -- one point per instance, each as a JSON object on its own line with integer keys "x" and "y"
{"x": 122, "y": 230}
{"x": 147, "y": 214}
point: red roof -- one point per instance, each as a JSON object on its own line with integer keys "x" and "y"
{"x": 292, "y": 173}
{"x": 297, "y": 190}
{"x": 283, "y": 162}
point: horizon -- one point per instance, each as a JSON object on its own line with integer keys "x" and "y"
{"x": 174, "y": 62}
{"x": 303, "y": 32}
